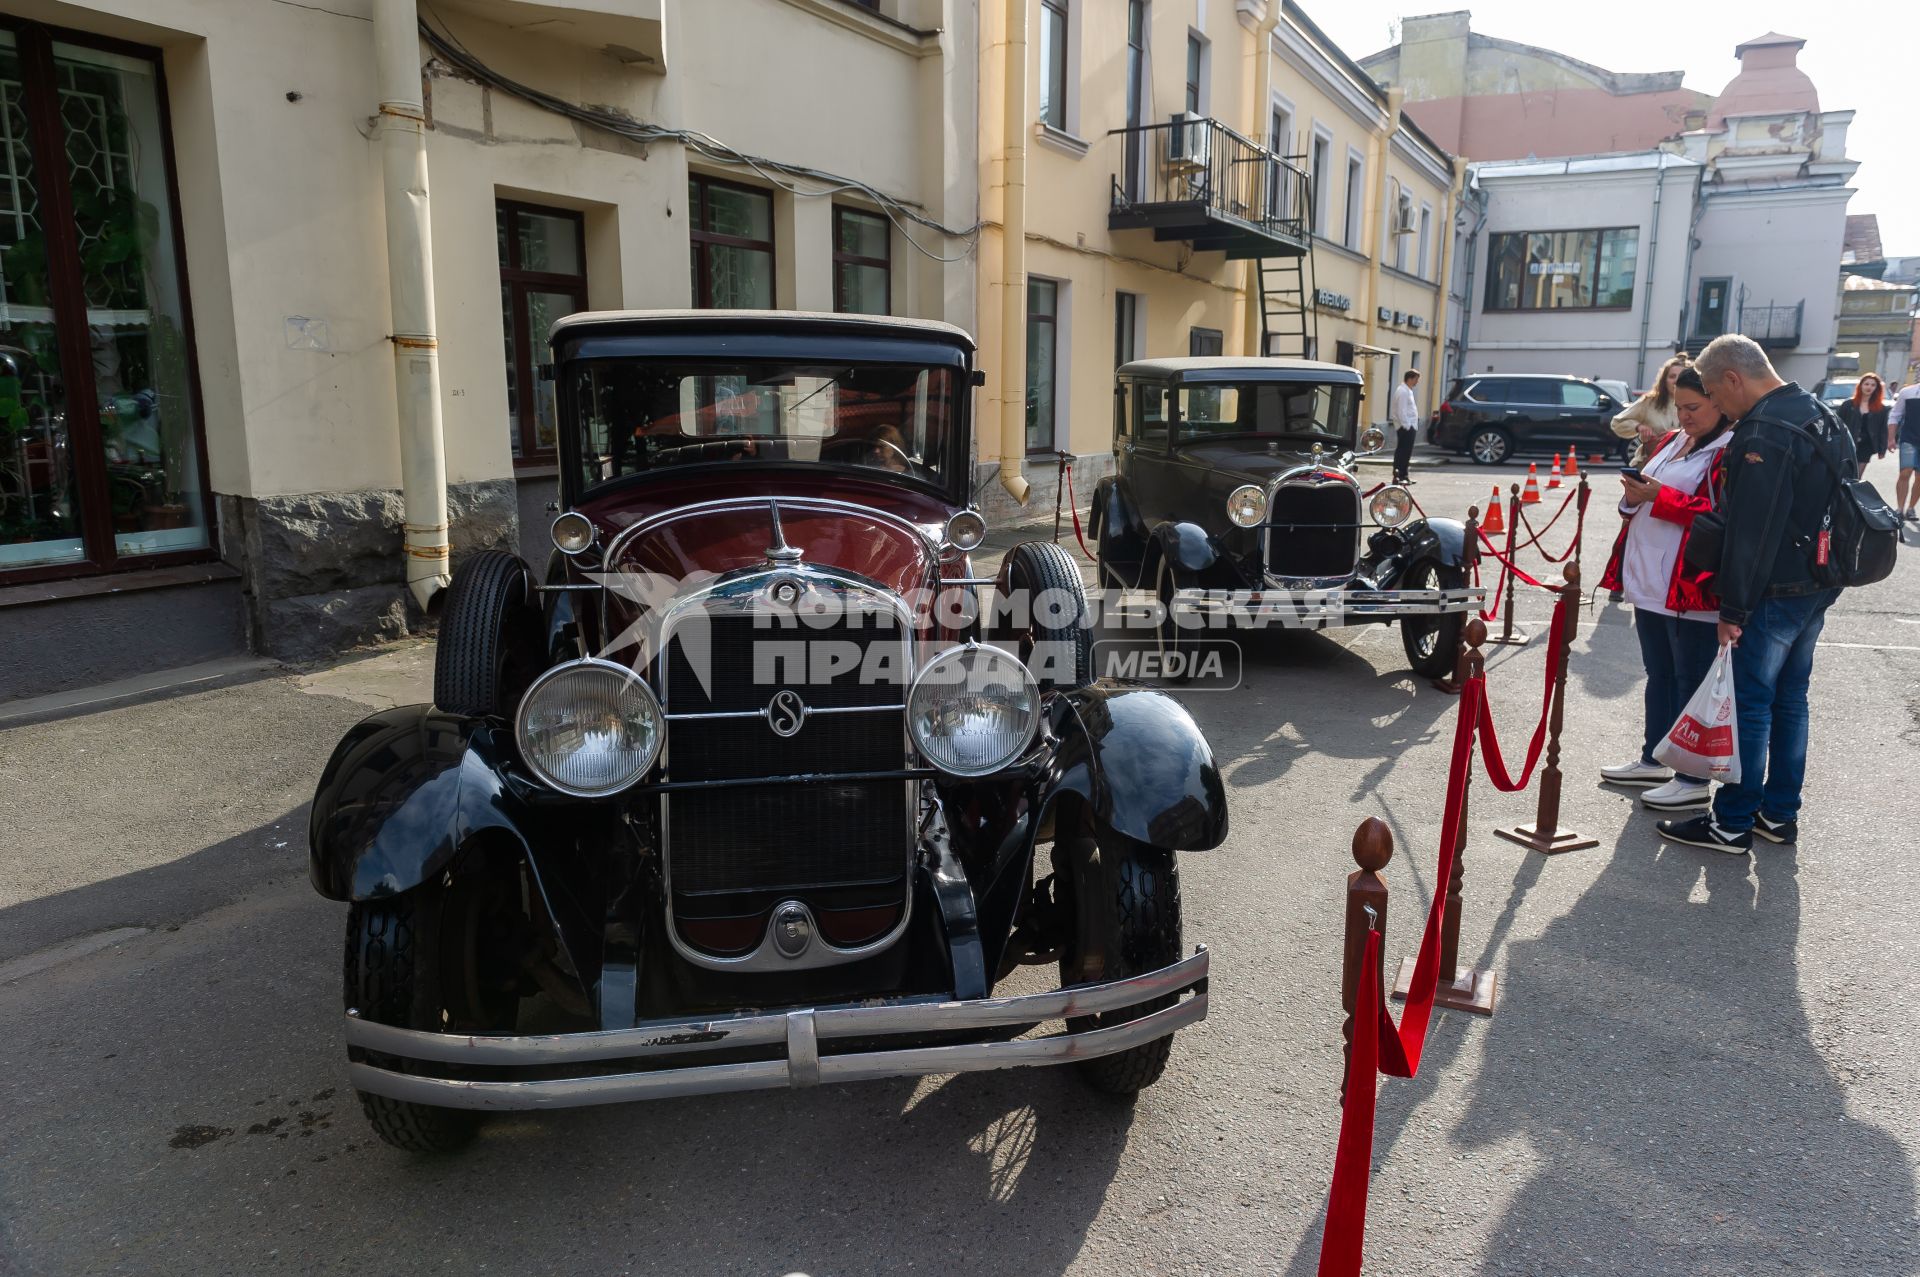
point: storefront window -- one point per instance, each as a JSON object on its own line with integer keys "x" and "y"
{"x": 100, "y": 463}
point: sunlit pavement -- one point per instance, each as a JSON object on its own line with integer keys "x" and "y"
{"x": 1699, "y": 1064}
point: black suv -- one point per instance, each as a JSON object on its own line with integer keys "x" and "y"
{"x": 1492, "y": 416}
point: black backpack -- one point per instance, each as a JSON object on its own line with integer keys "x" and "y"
{"x": 1860, "y": 534}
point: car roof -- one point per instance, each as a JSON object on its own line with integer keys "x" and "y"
{"x": 762, "y": 321}
{"x": 1530, "y": 376}
{"x": 1237, "y": 368}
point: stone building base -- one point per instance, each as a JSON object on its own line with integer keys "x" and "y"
{"x": 1044, "y": 474}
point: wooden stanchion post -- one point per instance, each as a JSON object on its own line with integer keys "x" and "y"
{"x": 1453, "y": 682}
{"x": 1461, "y": 988}
{"x": 1509, "y": 637}
{"x": 1366, "y": 892}
{"x": 1544, "y": 835}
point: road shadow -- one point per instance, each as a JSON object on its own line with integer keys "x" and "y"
{"x": 1656, "y": 1072}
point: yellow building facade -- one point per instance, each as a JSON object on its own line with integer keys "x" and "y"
{"x": 1130, "y": 116}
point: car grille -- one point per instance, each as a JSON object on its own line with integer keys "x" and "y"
{"x": 838, "y": 845}
{"x": 1315, "y": 530}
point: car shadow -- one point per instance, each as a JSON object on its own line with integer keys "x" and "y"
{"x": 209, "y": 1050}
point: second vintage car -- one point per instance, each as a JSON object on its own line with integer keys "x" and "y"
{"x": 726, "y": 795}
{"x": 1236, "y": 501}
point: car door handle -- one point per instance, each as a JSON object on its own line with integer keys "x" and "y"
{"x": 1513, "y": 412}
{"x": 1566, "y": 414}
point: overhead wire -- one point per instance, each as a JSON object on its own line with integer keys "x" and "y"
{"x": 785, "y": 176}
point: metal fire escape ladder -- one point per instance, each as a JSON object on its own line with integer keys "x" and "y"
{"x": 1289, "y": 324}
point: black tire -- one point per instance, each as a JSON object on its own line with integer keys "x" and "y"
{"x": 489, "y": 647}
{"x": 1432, "y": 641}
{"x": 1037, "y": 570}
{"x": 392, "y": 977}
{"x": 1489, "y": 445}
{"x": 1126, "y": 909}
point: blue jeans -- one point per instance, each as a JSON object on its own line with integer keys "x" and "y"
{"x": 1771, "y": 669}
{"x": 1677, "y": 653}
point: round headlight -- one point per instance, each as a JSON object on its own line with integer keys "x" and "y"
{"x": 590, "y": 728}
{"x": 1391, "y": 506}
{"x": 1247, "y": 505}
{"x": 966, "y": 530}
{"x": 572, "y": 532}
{"x": 1372, "y": 439}
{"x": 973, "y": 710}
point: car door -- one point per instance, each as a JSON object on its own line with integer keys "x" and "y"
{"x": 1533, "y": 413}
{"x": 1144, "y": 465}
{"x": 1580, "y": 422}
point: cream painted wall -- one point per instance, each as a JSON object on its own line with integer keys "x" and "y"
{"x": 281, "y": 200}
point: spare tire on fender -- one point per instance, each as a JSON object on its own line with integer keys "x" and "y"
{"x": 490, "y": 640}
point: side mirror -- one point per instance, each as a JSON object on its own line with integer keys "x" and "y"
{"x": 1372, "y": 439}
{"x": 1606, "y": 402}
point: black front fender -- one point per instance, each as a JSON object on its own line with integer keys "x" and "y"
{"x": 1143, "y": 767}
{"x": 405, "y": 790}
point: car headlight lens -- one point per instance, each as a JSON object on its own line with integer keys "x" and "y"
{"x": 1372, "y": 439}
{"x": 973, "y": 710}
{"x": 573, "y": 533}
{"x": 590, "y": 728}
{"x": 1247, "y": 505}
{"x": 1391, "y": 506}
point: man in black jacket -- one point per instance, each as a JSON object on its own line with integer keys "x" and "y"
{"x": 1773, "y": 601}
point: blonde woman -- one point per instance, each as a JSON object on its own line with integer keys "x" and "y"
{"x": 1652, "y": 417}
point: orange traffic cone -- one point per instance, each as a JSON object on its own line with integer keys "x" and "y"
{"x": 1495, "y": 521}
{"x": 1553, "y": 479}
{"x": 1530, "y": 495}
{"x": 1573, "y": 465}
{"x": 1596, "y": 458}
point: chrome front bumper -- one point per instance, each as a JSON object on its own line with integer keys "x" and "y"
{"x": 1313, "y": 609}
{"x": 660, "y": 1058}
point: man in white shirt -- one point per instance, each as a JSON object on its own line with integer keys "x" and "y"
{"x": 1405, "y": 414}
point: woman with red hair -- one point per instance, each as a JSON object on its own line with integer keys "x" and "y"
{"x": 1865, "y": 416}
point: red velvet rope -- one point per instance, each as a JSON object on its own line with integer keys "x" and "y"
{"x": 1573, "y": 546}
{"x": 1379, "y": 1045}
{"x": 1073, "y": 507}
{"x": 1507, "y": 565}
{"x": 1490, "y": 740}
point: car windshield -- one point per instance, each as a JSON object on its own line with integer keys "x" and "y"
{"x": 1308, "y": 410}
{"x": 1839, "y": 391}
{"x": 634, "y": 416}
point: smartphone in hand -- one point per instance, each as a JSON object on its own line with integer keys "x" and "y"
{"x": 1630, "y": 472}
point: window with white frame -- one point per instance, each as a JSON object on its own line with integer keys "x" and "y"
{"x": 1356, "y": 197}
{"x": 1426, "y": 239}
{"x": 1197, "y": 64}
{"x": 1319, "y": 162}
{"x": 1280, "y": 130}
{"x": 1054, "y": 31}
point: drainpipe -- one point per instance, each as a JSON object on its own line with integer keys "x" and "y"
{"x": 1253, "y": 330}
{"x": 1466, "y": 288}
{"x": 1013, "y": 267}
{"x": 416, "y": 360}
{"x": 1437, "y": 371}
{"x": 1382, "y": 146}
{"x": 1653, "y": 260}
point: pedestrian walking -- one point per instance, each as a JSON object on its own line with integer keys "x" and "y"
{"x": 1865, "y": 417}
{"x": 1405, "y": 412}
{"x": 1675, "y": 611}
{"x": 1903, "y": 424}
{"x": 1651, "y": 417}
{"x": 1773, "y": 600}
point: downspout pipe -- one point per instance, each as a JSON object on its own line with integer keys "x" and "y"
{"x": 1653, "y": 261}
{"x": 1013, "y": 266}
{"x": 1479, "y": 199}
{"x": 416, "y": 354}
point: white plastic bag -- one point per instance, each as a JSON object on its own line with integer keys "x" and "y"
{"x": 1705, "y": 740}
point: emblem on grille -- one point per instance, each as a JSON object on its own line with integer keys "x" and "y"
{"x": 786, "y": 712}
{"x": 792, "y": 929}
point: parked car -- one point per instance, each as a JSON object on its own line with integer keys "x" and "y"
{"x": 1619, "y": 390}
{"x": 1235, "y": 499}
{"x": 1493, "y": 416}
{"x": 716, "y": 801}
{"x": 1838, "y": 390}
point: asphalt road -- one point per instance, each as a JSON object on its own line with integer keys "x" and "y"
{"x": 1699, "y": 1064}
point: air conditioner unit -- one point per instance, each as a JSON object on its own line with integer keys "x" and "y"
{"x": 1188, "y": 140}
{"x": 1403, "y": 220}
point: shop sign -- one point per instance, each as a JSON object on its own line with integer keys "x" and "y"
{"x": 1417, "y": 322}
{"x": 1386, "y": 314}
{"x": 1331, "y": 300}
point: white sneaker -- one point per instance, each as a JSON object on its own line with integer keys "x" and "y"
{"x": 1682, "y": 793}
{"x": 1637, "y": 773}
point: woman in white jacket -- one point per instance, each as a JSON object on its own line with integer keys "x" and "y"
{"x": 1652, "y": 417}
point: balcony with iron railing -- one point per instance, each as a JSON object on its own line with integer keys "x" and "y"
{"x": 1771, "y": 326}
{"x": 1195, "y": 180}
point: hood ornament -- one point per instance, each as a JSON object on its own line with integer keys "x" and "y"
{"x": 780, "y": 551}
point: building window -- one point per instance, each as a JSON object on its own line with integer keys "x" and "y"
{"x": 1562, "y": 270}
{"x": 1053, "y": 64}
{"x": 1356, "y": 197}
{"x": 1399, "y": 221}
{"x": 1280, "y": 132}
{"x": 1043, "y": 323}
{"x": 732, "y": 242}
{"x": 862, "y": 262}
{"x": 1196, "y": 75}
{"x": 1426, "y": 237}
{"x": 543, "y": 275}
{"x": 1126, "y": 328}
{"x": 1319, "y": 166}
{"x": 102, "y": 464}
{"x": 1206, "y": 341}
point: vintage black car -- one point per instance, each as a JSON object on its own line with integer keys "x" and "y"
{"x": 1235, "y": 500}
{"x": 741, "y": 789}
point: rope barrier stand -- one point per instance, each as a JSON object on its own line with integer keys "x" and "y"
{"x": 1460, "y": 988}
{"x": 1366, "y": 915}
{"x": 1544, "y": 835}
{"x": 1509, "y": 635}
